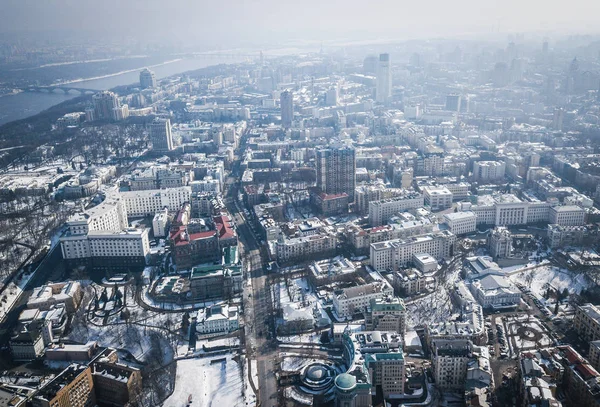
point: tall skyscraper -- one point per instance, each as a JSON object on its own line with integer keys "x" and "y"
{"x": 370, "y": 64}
{"x": 287, "y": 108}
{"x": 160, "y": 135}
{"x": 147, "y": 79}
{"x": 384, "y": 79}
{"x": 104, "y": 105}
{"x": 453, "y": 103}
{"x": 336, "y": 171}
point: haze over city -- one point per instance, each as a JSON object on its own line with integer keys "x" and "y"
{"x": 299, "y": 203}
{"x": 231, "y": 23}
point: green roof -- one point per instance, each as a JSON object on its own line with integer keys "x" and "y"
{"x": 345, "y": 381}
{"x": 230, "y": 255}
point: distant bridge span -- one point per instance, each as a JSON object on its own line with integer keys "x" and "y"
{"x": 65, "y": 88}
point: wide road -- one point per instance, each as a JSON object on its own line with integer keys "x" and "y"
{"x": 260, "y": 338}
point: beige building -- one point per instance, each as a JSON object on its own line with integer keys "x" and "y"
{"x": 587, "y": 322}
{"x": 387, "y": 314}
{"x": 73, "y": 387}
{"x": 450, "y": 360}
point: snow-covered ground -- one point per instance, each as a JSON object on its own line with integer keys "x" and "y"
{"x": 144, "y": 335}
{"x": 304, "y": 338}
{"x": 537, "y": 280}
{"x": 300, "y": 296}
{"x": 218, "y": 384}
{"x": 431, "y": 309}
{"x": 148, "y": 300}
{"x": 12, "y": 292}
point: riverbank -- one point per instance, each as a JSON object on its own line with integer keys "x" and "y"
{"x": 23, "y": 105}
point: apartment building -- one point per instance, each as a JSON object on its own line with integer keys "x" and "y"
{"x": 397, "y": 253}
{"x": 350, "y": 300}
{"x": 587, "y": 322}
{"x": 116, "y": 384}
{"x": 305, "y": 247}
{"x": 68, "y": 293}
{"x": 412, "y": 281}
{"x": 488, "y": 171}
{"x": 375, "y": 358}
{"x": 382, "y": 211}
{"x": 562, "y": 236}
{"x": 450, "y": 359}
{"x": 73, "y": 387}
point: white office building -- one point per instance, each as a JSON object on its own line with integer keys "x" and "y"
{"x": 397, "y": 253}
{"x": 384, "y": 79}
{"x": 149, "y": 202}
{"x": 159, "y": 223}
{"x": 348, "y": 301}
{"x": 438, "y": 198}
{"x": 568, "y": 215}
{"x": 488, "y": 171}
{"x": 461, "y": 223}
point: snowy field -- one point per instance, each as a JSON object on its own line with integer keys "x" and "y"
{"x": 219, "y": 384}
{"x": 538, "y": 279}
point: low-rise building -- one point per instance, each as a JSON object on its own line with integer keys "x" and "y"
{"x": 563, "y": 236}
{"x": 217, "y": 318}
{"x": 493, "y": 291}
{"x": 47, "y": 296}
{"x": 412, "y": 281}
{"x": 382, "y": 211}
{"x": 191, "y": 249}
{"x": 327, "y": 271}
{"x": 212, "y": 282}
{"x": 424, "y": 263}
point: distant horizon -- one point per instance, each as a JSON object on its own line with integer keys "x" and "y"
{"x": 179, "y": 23}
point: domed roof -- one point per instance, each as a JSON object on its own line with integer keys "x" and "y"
{"x": 315, "y": 373}
{"x": 345, "y": 381}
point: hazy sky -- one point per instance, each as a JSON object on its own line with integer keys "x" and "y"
{"x": 226, "y": 21}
